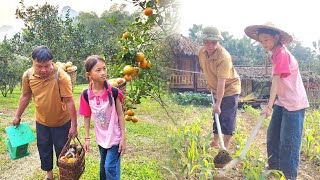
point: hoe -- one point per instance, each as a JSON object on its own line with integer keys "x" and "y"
{"x": 223, "y": 157}
{"x": 227, "y": 167}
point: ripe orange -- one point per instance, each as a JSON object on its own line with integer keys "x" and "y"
{"x": 125, "y": 35}
{"x": 128, "y": 69}
{"x": 127, "y": 78}
{"x": 120, "y": 80}
{"x": 143, "y": 64}
{"x": 135, "y": 72}
{"x": 128, "y": 118}
{"x": 139, "y": 56}
{"x": 148, "y": 11}
{"x": 130, "y": 112}
{"x": 135, "y": 119}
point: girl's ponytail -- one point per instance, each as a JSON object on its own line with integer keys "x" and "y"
{"x": 107, "y": 86}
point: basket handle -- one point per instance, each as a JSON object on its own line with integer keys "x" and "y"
{"x": 79, "y": 142}
{"x": 68, "y": 143}
{"x": 65, "y": 146}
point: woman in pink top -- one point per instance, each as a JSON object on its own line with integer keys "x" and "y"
{"x": 288, "y": 100}
{"x": 98, "y": 102}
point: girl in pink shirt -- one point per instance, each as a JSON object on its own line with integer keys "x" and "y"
{"x": 288, "y": 100}
{"x": 97, "y": 102}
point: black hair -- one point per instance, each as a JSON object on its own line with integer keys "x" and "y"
{"x": 41, "y": 54}
{"x": 91, "y": 61}
{"x": 271, "y": 32}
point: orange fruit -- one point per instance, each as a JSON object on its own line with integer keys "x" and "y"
{"x": 128, "y": 118}
{"x": 148, "y": 11}
{"x": 149, "y": 64}
{"x": 135, "y": 72}
{"x": 139, "y": 56}
{"x": 125, "y": 35}
{"x": 130, "y": 112}
{"x": 120, "y": 80}
{"x": 135, "y": 119}
{"x": 114, "y": 83}
{"x": 71, "y": 160}
{"x": 128, "y": 69}
{"x": 143, "y": 64}
{"x": 127, "y": 78}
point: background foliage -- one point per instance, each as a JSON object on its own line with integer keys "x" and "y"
{"x": 248, "y": 52}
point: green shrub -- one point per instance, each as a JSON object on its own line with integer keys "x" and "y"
{"x": 188, "y": 98}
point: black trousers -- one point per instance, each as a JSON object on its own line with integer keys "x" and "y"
{"x": 49, "y": 137}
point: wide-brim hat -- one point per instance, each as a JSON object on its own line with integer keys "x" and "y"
{"x": 252, "y": 32}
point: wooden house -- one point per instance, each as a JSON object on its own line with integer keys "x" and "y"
{"x": 186, "y": 74}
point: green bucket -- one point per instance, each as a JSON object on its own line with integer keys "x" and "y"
{"x": 18, "y": 140}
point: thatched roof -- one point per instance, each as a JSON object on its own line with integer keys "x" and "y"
{"x": 181, "y": 45}
{"x": 258, "y": 73}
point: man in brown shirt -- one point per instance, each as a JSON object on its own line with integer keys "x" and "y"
{"x": 222, "y": 79}
{"x": 55, "y": 111}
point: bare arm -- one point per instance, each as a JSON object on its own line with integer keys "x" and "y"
{"x": 23, "y": 104}
{"x": 273, "y": 94}
{"x": 219, "y": 94}
{"x": 122, "y": 146}
{"x": 87, "y": 133}
{"x": 73, "y": 115}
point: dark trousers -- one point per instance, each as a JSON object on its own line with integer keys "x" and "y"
{"x": 49, "y": 137}
{"x": 227, "y": 118}
{"x": 284, "y": 140}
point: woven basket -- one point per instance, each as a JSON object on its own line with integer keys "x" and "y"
{"x": 73, "y": 76}
{"x": 71, "y": 171}
{"x": 122, "y": 87}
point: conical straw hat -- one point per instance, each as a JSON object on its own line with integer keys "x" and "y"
{"x": 252, "y": 32}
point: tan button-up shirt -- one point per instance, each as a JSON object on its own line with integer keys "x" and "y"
{"x": 47, "y": 93}
{"x": 219, "y": 65}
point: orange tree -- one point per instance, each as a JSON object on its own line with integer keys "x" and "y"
{"x": 144, "y": 53}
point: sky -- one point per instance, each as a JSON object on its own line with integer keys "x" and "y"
{"x": 299, "y": 18}
{"x": 8, "y": 8}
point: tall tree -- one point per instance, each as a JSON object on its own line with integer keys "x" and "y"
{"x": 195, "y": 33}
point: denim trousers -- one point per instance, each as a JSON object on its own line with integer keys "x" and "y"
{"x": 109, "y": 163}
{"x": 49, "y": 137}
{"x": 284, "y": 140}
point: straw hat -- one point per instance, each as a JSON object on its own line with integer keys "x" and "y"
{"x": 252, "y": 32}
{"x": 211, "y": 33}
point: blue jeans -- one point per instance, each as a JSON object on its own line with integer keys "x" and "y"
{"x": 109, "y": 163}
{"x": 284, "y": 140}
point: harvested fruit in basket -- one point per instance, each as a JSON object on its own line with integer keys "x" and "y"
{"x": 71, "y": 160}
{"x": 116, "y": 81}
{"x": 72, "y": 154}
{"x": 68, "y": 66}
